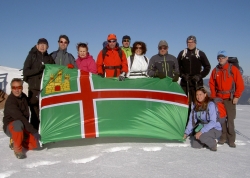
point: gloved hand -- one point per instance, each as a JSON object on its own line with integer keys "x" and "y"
{"x": 176, "y": 77}
{"x": 70, "y": 66}
{"x": 37, "y": 136}
{"x": 185, "y": 77}
{"x": 196, "y": 78}
{"x": 102, "y": 75}
{"x": 161, "y": 75}
{"x": 122, "y": 76}
{"x": 235, "y": 100}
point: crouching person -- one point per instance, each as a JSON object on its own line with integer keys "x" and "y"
{"x": 16, "y": 121}
{"x": 203, "y": 122}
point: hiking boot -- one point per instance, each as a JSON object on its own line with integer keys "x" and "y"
{"x": 214, "y": 148}
{"x": 11, "y": 145}
{"x": 19, "y": 155}
{"x": 221, "y": 142}
{"x": 232, "y": 145}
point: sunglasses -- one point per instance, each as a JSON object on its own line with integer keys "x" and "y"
{"x": 138, "y": 47}
{"x": 65, "y": 42}
{"x": 125, "y": 40}
{"x": 160, "y": 48}
{"x": 16, "y": 87}
{"x": 111, "y": 41}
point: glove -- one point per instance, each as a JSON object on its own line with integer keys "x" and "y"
{"x": 102, "y": 75}
{"x": 37, "y": 136}
{"x": 196, "y": 78}
{"x": 122, "y": 76}
{"x": 70, "y": 66}
{"x": 185, "y": 77}
{"x": 235, "y": 100}
{"x": 161, "y": 75}
{"x": 176, "y": 77}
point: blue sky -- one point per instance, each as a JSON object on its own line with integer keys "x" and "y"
{"x": 217, "y": 24}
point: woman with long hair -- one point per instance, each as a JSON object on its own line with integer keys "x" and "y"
{"x": 203, "y": 122}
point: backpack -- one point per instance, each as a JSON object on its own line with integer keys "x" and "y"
{"x": 185, "y": 53}
{"x": 33, "y": 58}
{"x": 132, "y": 60}
{"x": 233, "y": 61}
{"x": 221, "y": 112}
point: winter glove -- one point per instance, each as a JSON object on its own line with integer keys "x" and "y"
{"x": 70, "y": 66}
{"x": 176, "y": 77}
{"x": 235, "y": 100}
{"x": 122, "y": 76}
{"x": 196, "y": 78}
{"x": 161, "y": 75}
{"x": 37, "y": 136}
{"x": 185, "y": 77}
{"x": 102, "y": 75}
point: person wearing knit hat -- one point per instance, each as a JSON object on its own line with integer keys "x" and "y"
{"x": 126, "y": 40}
{"x": 32, "y": 74}
{"x": 61, "y": 56}
{"x": 163, "y": 64}
{"x": 111, "y": 60}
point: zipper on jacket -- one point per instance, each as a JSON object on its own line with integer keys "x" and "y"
{"x": 165, "y": 65}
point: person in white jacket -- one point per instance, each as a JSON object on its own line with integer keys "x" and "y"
{"x": 138, "y": 62}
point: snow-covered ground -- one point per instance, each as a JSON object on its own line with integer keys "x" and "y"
{"x": 131, "y": 157}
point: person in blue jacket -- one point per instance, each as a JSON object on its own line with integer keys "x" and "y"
{"x": 203, "y": 122}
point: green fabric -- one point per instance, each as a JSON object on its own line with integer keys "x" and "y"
{"x": 127, "y": 51}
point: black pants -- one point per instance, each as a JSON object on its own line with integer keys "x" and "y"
{"x": 34, "y": 107}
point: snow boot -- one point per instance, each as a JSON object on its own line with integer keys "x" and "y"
{"x": 20, "y": 155}
{"x": 11, "y": 144}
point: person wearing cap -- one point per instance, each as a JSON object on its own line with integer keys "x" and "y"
{"x": 32, "y": 72}
{"x": 61, "y": 56}
{"x": 111, "y": 60}
{"x": 126, "y": 45}
{"x": 16, "y": 121}
{"x": 163, "y": 64}
{"x": 226, "y": 82}
{"x": 194, "y": 66}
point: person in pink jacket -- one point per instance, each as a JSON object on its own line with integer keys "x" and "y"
{"x": 85, "y": 61}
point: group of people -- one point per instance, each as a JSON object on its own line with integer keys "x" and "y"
{"x": 191, "y": 65}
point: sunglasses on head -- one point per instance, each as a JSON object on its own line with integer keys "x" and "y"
{"x": 125, "y": 40}
{"x": 16, "y": 87}
{"x": 111, "y": 41}
{"x": 163, "y": 47}
{"x": 65, "y": 42}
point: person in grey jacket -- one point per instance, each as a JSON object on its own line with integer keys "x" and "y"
{"x": 163, "y": 64}
{"x": 61, "y": 56}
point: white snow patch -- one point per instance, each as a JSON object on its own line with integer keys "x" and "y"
{"x": 240, "y": 143}
{"x": 177, "y": 145}
{"x": 7, "y": 174}
{"x": 151, "y": 148}
{"x": 85, "y": 160}
{"x": 42, "y": 163}
{"x": 239, "y": 109}
{"x": 115, "y": 149}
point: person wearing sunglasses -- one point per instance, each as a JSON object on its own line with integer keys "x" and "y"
{"x": 111, "y": 60}
{"x": 226, "y": 82}
{"x": 32, "y": 72}
{"x": 61, "y": 56}
{"x": 85, "y": 61}
{"x": 194, "y": 66}
{"x": 202, "y": 122}
{"x": 138, "y": 62}
{"x": 163, "y": 64}
{"x": 16, "y": 121}
{"x": 126, "y": 45}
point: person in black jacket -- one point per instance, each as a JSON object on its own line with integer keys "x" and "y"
{"x": 194, "y": 66}
{"x": 33, "y": 70}
{"x": 16, "y": 121}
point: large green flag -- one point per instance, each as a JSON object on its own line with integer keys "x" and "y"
{"x": 76, "y": 104}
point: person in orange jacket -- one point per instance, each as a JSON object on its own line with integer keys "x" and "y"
{"x": 112, "y": 61}
{"x": 226, "y": 82}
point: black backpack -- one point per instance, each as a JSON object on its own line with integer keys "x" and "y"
{"x": 234, "y": 61}
{"x": 33, "y": 58}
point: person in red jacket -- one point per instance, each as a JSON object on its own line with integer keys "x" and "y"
{"x": 112, "y": 61}
{"x": 16, "y": 121}
{"x": 226, "y": 82}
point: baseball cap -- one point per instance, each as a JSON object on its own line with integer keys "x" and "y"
{"x": 111, "y": 37}
{"x": 162, "y": 43}
{"x": 222, "y": 53}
